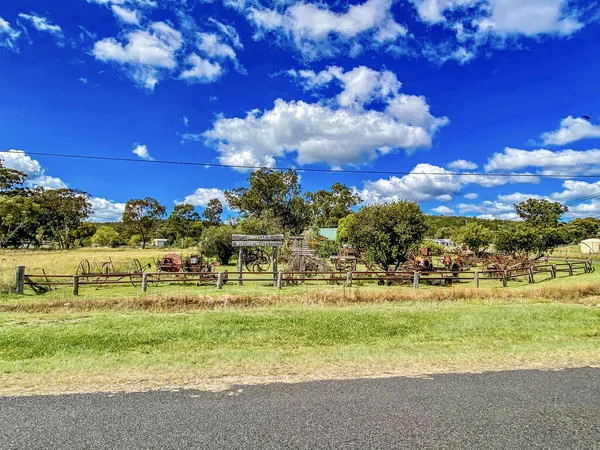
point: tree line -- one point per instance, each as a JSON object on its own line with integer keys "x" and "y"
{"x": 274, "y": 203}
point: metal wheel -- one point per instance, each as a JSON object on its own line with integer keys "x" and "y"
{"x": 257, "y": 261}
{"x": 135, "y": 270}
{"x": 83, "y": 268}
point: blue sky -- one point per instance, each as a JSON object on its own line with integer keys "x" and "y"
{"x": 435, "y": 87}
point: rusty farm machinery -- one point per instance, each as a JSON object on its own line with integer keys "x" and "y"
{"x": 109, "y": 272}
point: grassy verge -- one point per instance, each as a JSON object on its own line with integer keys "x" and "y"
{"x": 133, "y": 350}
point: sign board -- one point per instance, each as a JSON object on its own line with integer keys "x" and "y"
{"x": 259, "y": 237}
{"x": 257, "y": 243}
{"x": 261, "y": 240}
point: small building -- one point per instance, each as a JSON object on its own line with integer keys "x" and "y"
{"x": 159, "y": 242}
{"x": 444, "y": 242}
{"x": 590, "y": 246}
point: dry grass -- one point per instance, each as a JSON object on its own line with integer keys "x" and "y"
{"x": 174, "y": 380}
{"x": 588, "y": 294}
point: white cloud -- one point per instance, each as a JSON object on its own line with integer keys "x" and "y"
{"x": 202, "y": 196}
{"x": 211, "y": 46}
{"x": 443, "y": 210}
{"x": 425, "y": 183}
{"x": 489, "y": 210}
{"x": 340, "y": 131}
{"x": 471, "y": 196}
{"x": 82, "y": 80}
{"x": 530, "y": 18}
{"x": 8, "y": 35}
{"x": 571, "y": 129}
{"x": 479, "y": 25}
{"x": 142, "y": 152}
{"x": 186, "y": 121}
{"x": 316, "y": 133}
{"x": 126, "y": 15}
{"x": 147, "y": 54}
{"x": 317, "y": 31}
{"x": 201, "y": 70}
{"x": 462, "y": 164}
{"x": 228, "y": 31}
{"x": 106, "y": 210}
{"x": 36, "y": 176}
{"x": 47, "y": 182}
{"x": 563, "y": 161}
{"x": 42, "y": 24}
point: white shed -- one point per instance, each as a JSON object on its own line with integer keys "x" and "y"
{"x": 159, "y": 242}
{"x": 590, "y": 246}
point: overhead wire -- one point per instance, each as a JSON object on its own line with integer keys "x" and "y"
{"x": 306, "y": 169}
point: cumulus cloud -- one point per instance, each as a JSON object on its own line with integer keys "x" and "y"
{"x": 443, "y": 210}
{"x": 471, "y": 196}
{"x": 146, "y": 54}
{"x": 202, "y": 196}
{"x": 316, "y": 133}
{"x": 316, "y": 30}
{"x": 201, "y": 70}
{"x": 142, "y": 152}
{"x": 106, "y": 210}
{"x": 427, "y": 182}
{"x": 36, "y": 176}
{"x": 571, "y": 129}
{"x": 210, "y": 44}
{"x": 8, "y": 35}
{"x": 489, "y": 210}
{"x": 462, "y": 164}
{"x": 563, "y": 161}
{"x": 339, "y": 131}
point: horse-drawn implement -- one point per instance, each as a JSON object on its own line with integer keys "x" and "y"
{"x": 109, "y": 272}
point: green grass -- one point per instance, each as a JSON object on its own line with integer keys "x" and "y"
{"x": 42, "y": 350}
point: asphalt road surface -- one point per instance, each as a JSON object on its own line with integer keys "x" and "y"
{"x": 509, "y": 410}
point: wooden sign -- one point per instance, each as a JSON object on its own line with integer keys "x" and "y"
{"x": 257, "y": 243}
{"x": 259, "y": 237}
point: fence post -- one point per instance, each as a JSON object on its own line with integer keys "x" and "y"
{"x": 220, "y": 280}
{"x": 504, "y": 278}
{"x": 416, "y": 278}
{"x": 530, "y": 274}
{"x": 279, "y": 279}
{"x": 570, "y": 269}
{"x": 144, "y": 282}
{"x": 349, "y": 279}
{"x": 76, "y": 285}
{"x": 20, "y": 279}
{"x": 275, "y": 268}
{"x": 240, "y": 266}
{"x": 476, "y": 279}
{"x": 553, "y": 271}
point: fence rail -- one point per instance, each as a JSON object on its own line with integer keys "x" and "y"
{"x": 281, "y": 279}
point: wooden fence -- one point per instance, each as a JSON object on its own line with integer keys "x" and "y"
{"x": 42, "y": 282}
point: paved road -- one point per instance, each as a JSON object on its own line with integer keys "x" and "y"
{"x": 510, "y": 410}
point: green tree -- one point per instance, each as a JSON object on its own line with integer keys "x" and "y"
{"x": 343, "y": 230}
{"x": 62, "y": 211}
{"x": 106, "y": 236}
{"x": 526, "y": 241}
{"x": 275, "y": 196}
{"x": 329, "y": 206}
{"x": 385, "y": 233}
{"x": 213, "y": 211}
{"x": 253, "y": 225}
{"x": 10, "y": 178}
{"x": 475, "y": 236}
{"x": 581, "y": 229}
{"x": 184, "y": 221}
{"x": 134, "y": 240}
{"x": 142, "y": 216}
{"x": 217, "y": 242}
{"x": 18, "y": 217}
{"x": 541, "y": 213}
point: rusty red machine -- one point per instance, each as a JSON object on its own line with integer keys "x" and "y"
{"x": 173, "y": 262}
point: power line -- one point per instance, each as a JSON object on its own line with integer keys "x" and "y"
{"x": 357, "y": 171}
